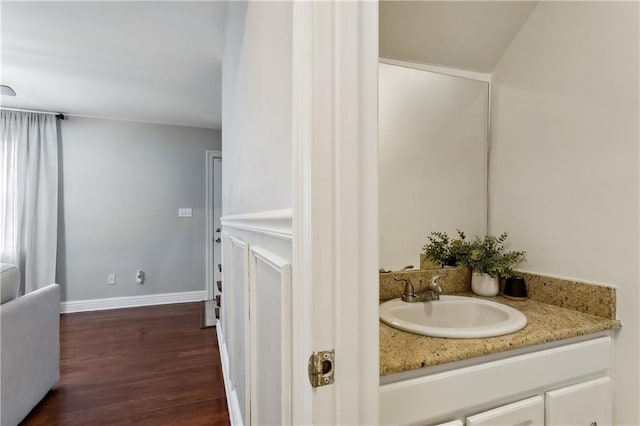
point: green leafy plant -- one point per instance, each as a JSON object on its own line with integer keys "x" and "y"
{"x": 488, "y": 255}
{"x": 459, "y": 248}
{"x": 443, "y": 250}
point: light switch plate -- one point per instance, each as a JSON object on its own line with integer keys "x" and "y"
{"x": 184, "y": 212}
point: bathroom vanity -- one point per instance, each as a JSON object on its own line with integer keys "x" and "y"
{"x": 566, "y": 385}
{"x": 555, "y": 371}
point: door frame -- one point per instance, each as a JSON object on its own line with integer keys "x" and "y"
{"x": 208, "y": 226}
{"x": 335, "y": 209}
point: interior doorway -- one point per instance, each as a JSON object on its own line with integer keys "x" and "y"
{"x": 212, "y": 228}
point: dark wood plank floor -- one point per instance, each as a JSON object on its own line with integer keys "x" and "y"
{"x": 143, "y": 366}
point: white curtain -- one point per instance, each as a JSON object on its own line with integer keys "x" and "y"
{"x": 29, "y": 196}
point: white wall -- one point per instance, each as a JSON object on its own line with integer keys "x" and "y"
{"x": 432, "y": 160}
{"x": 256, "y": 92}
{"x": 121, "y": 186}
{"x": 565, "y": 168}
{"x": 257, "y": 177}
{"x": 468, "y": 35}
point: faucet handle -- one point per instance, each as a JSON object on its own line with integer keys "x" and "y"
{"x": 404, "y": 280}
{"x": 409, "y": 294}
{"x": 434, "y": 285}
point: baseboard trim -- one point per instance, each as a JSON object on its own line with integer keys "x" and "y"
{"x": 235, "y": 416}
{"x": 131, "y": 301}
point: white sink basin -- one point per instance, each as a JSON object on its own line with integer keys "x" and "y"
{"x": 455, "y": 317}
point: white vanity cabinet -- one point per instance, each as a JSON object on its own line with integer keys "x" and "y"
{"x": 589, "y": 403}
{"x": 584, "y": 404}
{"x": 529, "y": 412}
{"x": 563, "y": 385}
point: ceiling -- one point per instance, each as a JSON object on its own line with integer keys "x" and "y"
{"x": 468, "y": 35}
{"x": 158, "y": 62}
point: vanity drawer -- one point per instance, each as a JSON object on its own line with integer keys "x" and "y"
{"x": 529, "y": 412}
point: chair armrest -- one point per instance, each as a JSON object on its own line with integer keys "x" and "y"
{"x": 29, "y": 351}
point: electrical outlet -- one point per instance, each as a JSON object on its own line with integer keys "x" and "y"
{"x": 111, "y": 279}
{"x": 185, "y": 212}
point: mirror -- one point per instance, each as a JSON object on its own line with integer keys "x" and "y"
{"x": 433, "y": 151}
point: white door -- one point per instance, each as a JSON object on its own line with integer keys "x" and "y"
{"x": 588, "y": 403}
{"x": 213, "y": 235}
{"x": 217, "y": 237}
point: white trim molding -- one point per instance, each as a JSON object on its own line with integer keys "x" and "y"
{"x": 274, "y": 223}
{"x": 302, "y": 304}
{"x": 239, "y": 342}
{"x": 235, "y": 416}
{"x": 454, "y": 72}
{"x": 131, "y": 301}
{"x": 335, "y": 206}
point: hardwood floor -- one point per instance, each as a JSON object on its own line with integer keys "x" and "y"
{"x": 143, "y": 366}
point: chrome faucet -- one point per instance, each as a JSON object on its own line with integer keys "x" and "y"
{"x": 432, "y": 292}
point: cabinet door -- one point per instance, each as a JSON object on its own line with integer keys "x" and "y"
{"x": 452, "y": 423}
{"x": 589, "y": 403}
{"x": 529, "y": 412}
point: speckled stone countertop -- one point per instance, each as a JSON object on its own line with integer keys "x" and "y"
{"x": 401, "y": 351}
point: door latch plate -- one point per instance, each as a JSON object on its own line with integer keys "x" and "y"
{"x": 321, "y": 368}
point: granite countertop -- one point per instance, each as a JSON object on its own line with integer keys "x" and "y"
{"x": 402, "y": 351}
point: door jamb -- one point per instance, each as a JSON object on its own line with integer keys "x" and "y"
{"x": 335, "y": 204}
{"x": 209, "y": 271}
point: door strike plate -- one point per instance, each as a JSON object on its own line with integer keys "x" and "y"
{"x": 321, "y": 368}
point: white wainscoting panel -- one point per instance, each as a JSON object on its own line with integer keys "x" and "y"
{"x": 270, "y": 308}
{"x": 238, "y": 286}
{"x": 255, "y": 323}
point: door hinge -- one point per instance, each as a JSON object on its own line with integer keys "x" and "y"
{"x": 321, "y": 368}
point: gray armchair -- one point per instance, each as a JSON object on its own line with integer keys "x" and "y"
{"x": 29, "y": 345}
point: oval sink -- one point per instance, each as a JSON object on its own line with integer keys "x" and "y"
{"x": 455, "y": 317}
